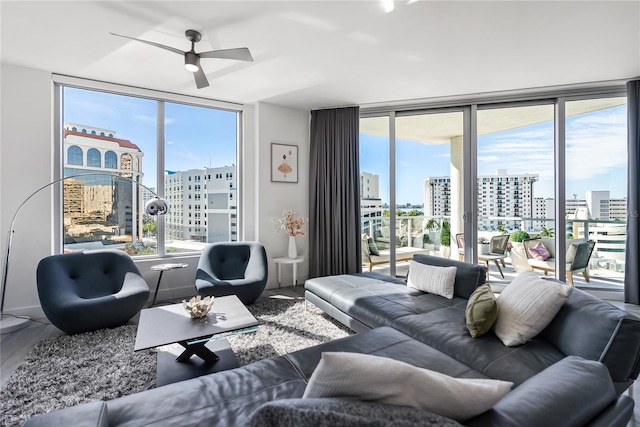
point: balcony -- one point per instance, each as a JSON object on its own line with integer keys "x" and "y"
{"x": 606, "y": 266}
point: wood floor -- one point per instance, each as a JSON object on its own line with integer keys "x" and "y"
{"x": 15, "y": 346}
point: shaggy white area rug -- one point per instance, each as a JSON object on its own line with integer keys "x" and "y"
{"x": 102, "y": 365}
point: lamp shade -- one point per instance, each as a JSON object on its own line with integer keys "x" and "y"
{"x": 157, "y": 206}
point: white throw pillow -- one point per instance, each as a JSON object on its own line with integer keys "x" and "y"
{"x": 526, "y": 306}
{"x": 432, "y": 279}
{"x": 379, "y": 379}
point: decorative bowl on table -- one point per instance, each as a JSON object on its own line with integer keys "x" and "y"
{"x": 198, "y": 307}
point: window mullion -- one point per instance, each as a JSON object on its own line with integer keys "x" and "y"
{"x": 160, "y": 123}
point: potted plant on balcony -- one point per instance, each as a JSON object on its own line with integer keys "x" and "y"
{"x": 445, "y": 239}
{"x": 516, "y": 252}
{"x": 483, "y": 246}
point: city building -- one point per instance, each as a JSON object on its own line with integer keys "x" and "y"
{"x": 203, "y": 205}
{"x": 370, "y": 202}
{"x": 499, "y": 196}
{"x": 98, "y": 205}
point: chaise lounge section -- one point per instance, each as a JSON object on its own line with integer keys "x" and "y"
{"x": 585, "y": 326}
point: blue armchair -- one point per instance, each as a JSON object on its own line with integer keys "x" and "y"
{"x": 233, "y": 268}
{"x": 81, "y": 292}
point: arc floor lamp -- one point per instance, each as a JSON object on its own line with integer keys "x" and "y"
{"x": 155, "y": 206}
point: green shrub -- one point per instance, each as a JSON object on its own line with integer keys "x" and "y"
{"x": 519, "y": 236}
{"x": 445, "y": 233}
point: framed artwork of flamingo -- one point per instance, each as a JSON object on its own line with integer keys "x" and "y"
{"x": 284, "y": 163}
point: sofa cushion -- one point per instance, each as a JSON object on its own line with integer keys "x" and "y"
{"x": 219, "y": 400}
{"x": 384, "y": 342}
{"x": 482, "y": 311}
{"x": 432, "y": 279}
{"x": 468, "y": 276}
{"x": 593, "y": 329}
{"x": 375, "y": 301}
{"x": 328, "y": 412}
{"x": 446, "y": 331}
{"x": 384, "y": 380}
{"x": 527, "y": 305}
{"x": 566, "y": 390}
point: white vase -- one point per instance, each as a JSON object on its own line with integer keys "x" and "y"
{"x": 293, "y": 251}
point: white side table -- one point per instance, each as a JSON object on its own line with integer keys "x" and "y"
{"x": 286, "y": 260}
{"x": 162, "y": 268}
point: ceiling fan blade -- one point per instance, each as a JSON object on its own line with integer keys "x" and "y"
{"x": 241, "y": 54}
{"x": 201, "y": 79}
{"x": 161, "y": 46}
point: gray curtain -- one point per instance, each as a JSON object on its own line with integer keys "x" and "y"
{"x": 632, "y": 263}
{"x": 334, "y": 192}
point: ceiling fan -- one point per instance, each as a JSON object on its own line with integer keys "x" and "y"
{"x": 192, "y": 59}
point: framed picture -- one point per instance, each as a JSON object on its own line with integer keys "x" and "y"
{"x": 284, "y": 163}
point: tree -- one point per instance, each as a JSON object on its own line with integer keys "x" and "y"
{"x": 546, "y": 232}
{"x": 149, "y": 225}
{"x": 432, "y": 224}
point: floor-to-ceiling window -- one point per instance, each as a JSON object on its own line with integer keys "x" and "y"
{"x": 375, "y": 202}
{"x": 429, "y": 182}
{"x": 515, "y": 182}
{"x": 525, "y": 162}
{"x": 119, "y": 150}
{"x": 596, "y": 190}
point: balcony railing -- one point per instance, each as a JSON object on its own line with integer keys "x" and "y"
{"x": 607, "y": 260}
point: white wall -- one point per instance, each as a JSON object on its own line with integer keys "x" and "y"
{"x": 26, "y": 138}
{"x": 276, "y": 124}
{"x": 26, "y": 164}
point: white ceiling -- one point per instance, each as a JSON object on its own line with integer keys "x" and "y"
{"x": 314, "y": 54}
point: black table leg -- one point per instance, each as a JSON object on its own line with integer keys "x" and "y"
{"x": 155, "y": 294}
{"x": 199, "y": 350}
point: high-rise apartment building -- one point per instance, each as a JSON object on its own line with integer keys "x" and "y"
{"x": 370, "y": 202}
{"x": 203, "y": 205}
{"x": 499, "y": 196}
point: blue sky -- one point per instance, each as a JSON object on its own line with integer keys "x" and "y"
{"x": 199, "y": 137}
{"x": 195, "y": 137}
{"x": 596, "y": 157}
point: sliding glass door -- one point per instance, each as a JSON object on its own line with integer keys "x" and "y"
{"x": 515, "y": 182}
{"x": 596, "y": 191}
{"x": 511, "y": 175}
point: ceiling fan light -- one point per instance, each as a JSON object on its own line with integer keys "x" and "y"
{"x": 191, "y": 62}
{"x": 191, "y": 67}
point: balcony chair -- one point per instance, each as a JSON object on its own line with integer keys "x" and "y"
{"x": 233, "y": 268}
{"x": 86, "y": 291}
{"x": 497, "y": 252}
{"x": 577, "y": 258}
{"x": 460, "y": 243}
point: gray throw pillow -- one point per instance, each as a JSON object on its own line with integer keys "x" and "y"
{"x": 342, "y": 412}
{"x": 373, "y": 248}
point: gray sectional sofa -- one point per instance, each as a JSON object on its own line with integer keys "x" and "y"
{"x": 572, "y": 374}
